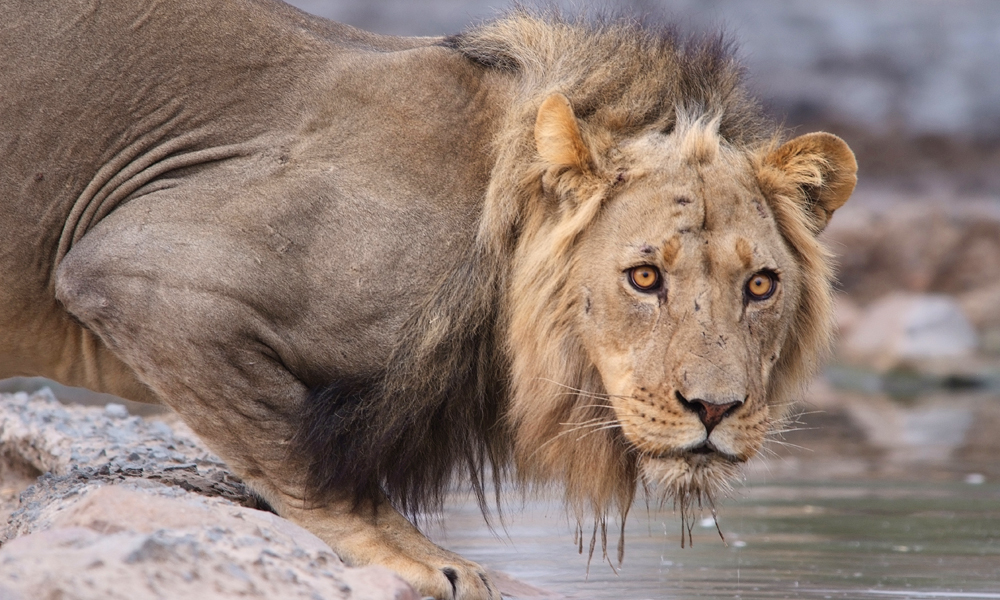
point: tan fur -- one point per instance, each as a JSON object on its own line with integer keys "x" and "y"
{"x": 358, "y": 266}
{"x": 671, "y": 250}
{"x": 745, "y": 253}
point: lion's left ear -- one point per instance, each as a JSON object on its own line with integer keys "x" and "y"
{"x": 822, "y": 167}
{"x": 557, "y": 135}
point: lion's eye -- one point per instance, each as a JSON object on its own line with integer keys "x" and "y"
{"x": 644, "y": 278}
{"x": 761, "y": 286}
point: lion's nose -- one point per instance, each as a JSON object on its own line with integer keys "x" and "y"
{"x": 710, "y": 413}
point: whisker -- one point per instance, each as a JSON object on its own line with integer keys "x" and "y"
{"x": 578, "y": 427}
{"x": 810, "y": 412}
{"x": 606, "y": 428}
{"x": 592, "y": 428}
{"x": 769, "y": 451}
{"x": 605, "y": 406}
{"x": 791, "y": 429}
{"x": 583, "y": 392}
{"x": 595, "y": 424}
{"x": 588, "y": 421}
{"x": 789, "y": 445}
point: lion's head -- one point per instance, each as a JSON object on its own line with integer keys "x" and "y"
{"x": 667, "y": 295}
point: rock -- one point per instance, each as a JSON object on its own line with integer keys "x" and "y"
{"x": 112, "y": 542}
{"x": 905, "y": 328}
{"x": 921, "y": 248}
{"x": 56, "y": 438}
{"x": 133, "y": 509}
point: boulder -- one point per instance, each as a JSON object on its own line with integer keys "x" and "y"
{"x": 982, "y": 306}
{"x": 902, "y": 329}
{"x": 932, "y": 246}
{"x": 130, "y": 508}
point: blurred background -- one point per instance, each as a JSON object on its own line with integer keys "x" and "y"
{"x": 887, "y": 482}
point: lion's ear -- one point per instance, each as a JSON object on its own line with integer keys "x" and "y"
{"x": 557, "y": 135}
{"x": 824, "y": 170}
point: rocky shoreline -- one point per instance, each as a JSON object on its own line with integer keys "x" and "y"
{"x": 920, "y": 292}
{"x": 131, "y": 508}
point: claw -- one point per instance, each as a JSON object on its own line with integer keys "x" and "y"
{"x": 452, "y": 576}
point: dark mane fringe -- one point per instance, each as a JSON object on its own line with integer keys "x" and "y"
{"x": 621, "y": 74}
{"x": 432, "y": 416}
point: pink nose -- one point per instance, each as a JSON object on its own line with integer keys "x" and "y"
{"x": 710, "y": 413}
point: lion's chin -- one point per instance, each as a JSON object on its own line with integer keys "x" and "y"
{"x": 689, "y": 476}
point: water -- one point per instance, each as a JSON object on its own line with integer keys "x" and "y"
{"x": 862, "y": 539}
{"x": 858, "y": 507}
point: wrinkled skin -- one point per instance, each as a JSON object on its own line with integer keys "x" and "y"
{"x": 221, "y": 206}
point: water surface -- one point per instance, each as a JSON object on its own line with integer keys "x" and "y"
{"x": 874, "y": 497}
{"x": 863, "y": 539}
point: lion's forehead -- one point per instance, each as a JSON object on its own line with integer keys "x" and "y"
{"x": 710, "y": 219}
{"x": 721, "y": 190}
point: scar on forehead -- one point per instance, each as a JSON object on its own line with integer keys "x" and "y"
{"x": 670, "y": 250}
{"x": 745, "y": 251}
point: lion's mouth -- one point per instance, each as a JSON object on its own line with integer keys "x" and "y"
{"x": 704, "y": 448}
{"x": 703, "y": 451}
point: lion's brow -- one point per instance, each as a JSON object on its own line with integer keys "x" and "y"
{"x": 670, "y": 250}
{"x": 745, "y": 251}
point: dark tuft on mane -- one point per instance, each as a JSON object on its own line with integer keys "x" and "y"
{"x": 432, "y": 416}
{"x": 334, "y": 433}
{"x": 619, "y": 73}
{"x": 488, "y": 60}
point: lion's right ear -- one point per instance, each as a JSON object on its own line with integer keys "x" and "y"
{"x": 557, "y": 135}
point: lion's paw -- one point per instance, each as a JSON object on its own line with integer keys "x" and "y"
{"x": 362, "y": 536}
{"x": 447, "y": 578}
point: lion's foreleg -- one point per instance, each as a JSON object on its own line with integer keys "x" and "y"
{"x": 211, "y": 356}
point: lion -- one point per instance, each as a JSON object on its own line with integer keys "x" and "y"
{"x": 361, "y": 267}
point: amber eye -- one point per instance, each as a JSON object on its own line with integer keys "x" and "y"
{"x": 644, "y": 278}
{"x": 762, "y": 285}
